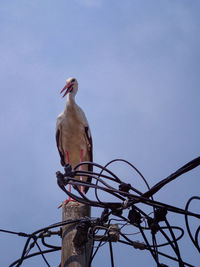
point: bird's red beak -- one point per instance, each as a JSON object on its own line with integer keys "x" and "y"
{"x": 68, "y": 87}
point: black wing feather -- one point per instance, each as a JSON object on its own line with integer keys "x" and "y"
{"x": 62, "y": 159}
{"x": 90, "y": 167}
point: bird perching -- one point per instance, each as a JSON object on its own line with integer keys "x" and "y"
{"x": 73, "y": 136}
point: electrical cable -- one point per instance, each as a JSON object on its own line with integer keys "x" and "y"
{"x": 124, "y": 210}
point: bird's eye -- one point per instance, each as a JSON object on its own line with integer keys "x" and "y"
{"x": 73, "y": 80}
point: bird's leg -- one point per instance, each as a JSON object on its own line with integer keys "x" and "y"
{"x": 80, "y": 169}
{"x": 67, "y": 162}
{"x": 69, "y": 198}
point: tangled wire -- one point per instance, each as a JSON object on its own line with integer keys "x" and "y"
{"x": 123, "y": 210}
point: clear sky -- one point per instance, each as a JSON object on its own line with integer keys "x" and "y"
{"x": 137, "y": 63}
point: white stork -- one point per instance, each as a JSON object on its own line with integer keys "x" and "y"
{"x": 73, "y": 136}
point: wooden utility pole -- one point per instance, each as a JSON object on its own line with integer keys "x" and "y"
{"x": 75, "y": 252}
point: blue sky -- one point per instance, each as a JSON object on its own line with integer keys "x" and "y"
{"x": 137, "y": 63}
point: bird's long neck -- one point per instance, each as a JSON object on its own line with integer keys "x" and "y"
{"x": 70, "y": 101}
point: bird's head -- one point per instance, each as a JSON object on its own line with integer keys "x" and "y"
{"x": 71, "y": 87}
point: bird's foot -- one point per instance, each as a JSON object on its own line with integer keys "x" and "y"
{"x": 67, "y": 201}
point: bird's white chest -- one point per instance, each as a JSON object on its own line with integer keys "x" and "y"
{"x": 73, "y": 123}
{"x": 72, "y": 126}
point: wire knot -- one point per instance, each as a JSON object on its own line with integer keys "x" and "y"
{"x": 104, "y": 215}
{"x": 134, "y": 217}
{"x": 68, "y": 171}
{"x": 153, "y": 225}
{"x": 160, "y": 214}
{"x": 81, "y": 236}
{"x": 124, "y": 187}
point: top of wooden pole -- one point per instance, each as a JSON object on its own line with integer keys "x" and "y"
{"x": 75, "y": 251}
